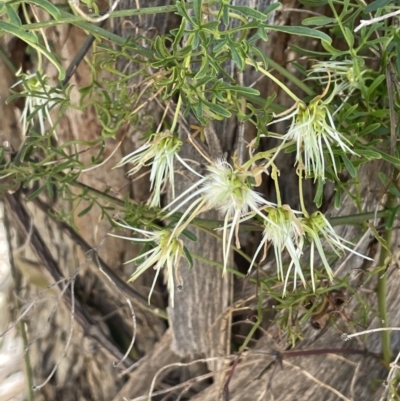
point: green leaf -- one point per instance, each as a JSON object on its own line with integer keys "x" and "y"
{"x": 179, "y": 35}
{"x": 86, "y": 210}
{"x": 306, "y": 52}
{"x": 349, "y": 166}
{"x": 219, "y": 110}
{"x": 181, "y": 10}
{"x": 250, "y": 12}
{"x": 394, "y": 190}
{"x": 244, "y": 90}
{"x": 338, "y": 197}
{"x": 349, "y": 37}
{"x": 389, "y": 158}
{"x": 13, "y": 16}
{"x": 319, "y": 193}
{"x": 272, "y": 7}
{"x": 225, "y": 15}
{"x": 188, "y": 257}
{"x": 378, "y": 237}
{"x": 368, "y": 153}
{"x": 50, "y": 189}
{"x": 210, "y": 26}
{"x": 160, "y": 48}
{"x": 27, "y": 37}
{"x": 197, "y": 9}
{"x": 391, "y": 217}
{"x": 383, "y": 178}
{"x": 377, "y": 81}
{"x": 262, "y": 34}
{"x": 334, "y": 52}
{"x": 345, "y": 115}
{"x": 370, "y": 128}
{"x": 236, "y": 58}
{"x": 36, "y": 193}
{"x": 190, "y": 235}
{"x": 375, "y": 5}
{"x": 49, "y": 7}
{"x": 50, "y": 56}
{"x": 318, "y": 21}
{"x": 301, "y": 31}
{"x": 204, "y": 70}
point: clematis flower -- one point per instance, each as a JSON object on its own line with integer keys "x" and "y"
{"x": 283, "y": 231}
{"x": 166, "y": 251}
{"x": 40, "y": 98}
{"x": 312, "y": 129}
{"x": 228, "y": 190}
{"x": 159, "y": 151}
{"x": 317, "y": 226}
{"x": 346, "y": 75}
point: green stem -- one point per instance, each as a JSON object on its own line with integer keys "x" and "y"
{"x": 301, "y": 195}
{"x": 284, "y": 72}
{"x": 176, "y": 115}
{"x": 358, "y": 218}
{"x": 256, "y": 324}
{"x": 95, "y": 30}
{"x": 274, "y": 79}
{"x": 269, "y": 155}
{"x": 68, "y": 18}
{"x": 98, "y": 194}
{"x": 384, "y": 260}
{"x": 274, "y": 176}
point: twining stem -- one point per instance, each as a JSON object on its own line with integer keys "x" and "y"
{"x": 291, "y": 77}
{"x": 256, "y": 324}
{"x": 274, "y": 79}
{"x": 384, "y": 260}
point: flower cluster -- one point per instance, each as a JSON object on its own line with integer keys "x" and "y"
{"x": 40, "y": 98}
{"x": 312, "y": 128}
{"x": 317, "y": 226}
{"x": 286, "y": 231}
{"x": 231, "y": 191}
{"x": 228, "y": 190}
{"x": 346, "y": 75}
{"x": 166, "y": 251}
{"x": 159, "y": 151}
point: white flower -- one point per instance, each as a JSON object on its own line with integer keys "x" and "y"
{"x": 165, "y": 253}
{"x": 317, "y": 225}
{"x": 312, "y": 128}
{"x": 40, "y": 98}
{"x": 346, "y": 74}
{"x": 227, "y": 190}
{"x": 159, "y": 152}
{"x": 283, "y": 231}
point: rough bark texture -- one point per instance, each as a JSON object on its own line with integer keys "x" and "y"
{"x": 200, "y": 322}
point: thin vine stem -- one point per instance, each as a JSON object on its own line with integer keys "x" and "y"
{"x": 384, "y": 259}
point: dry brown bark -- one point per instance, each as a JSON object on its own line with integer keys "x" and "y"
{"x": 200, "y": 322}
